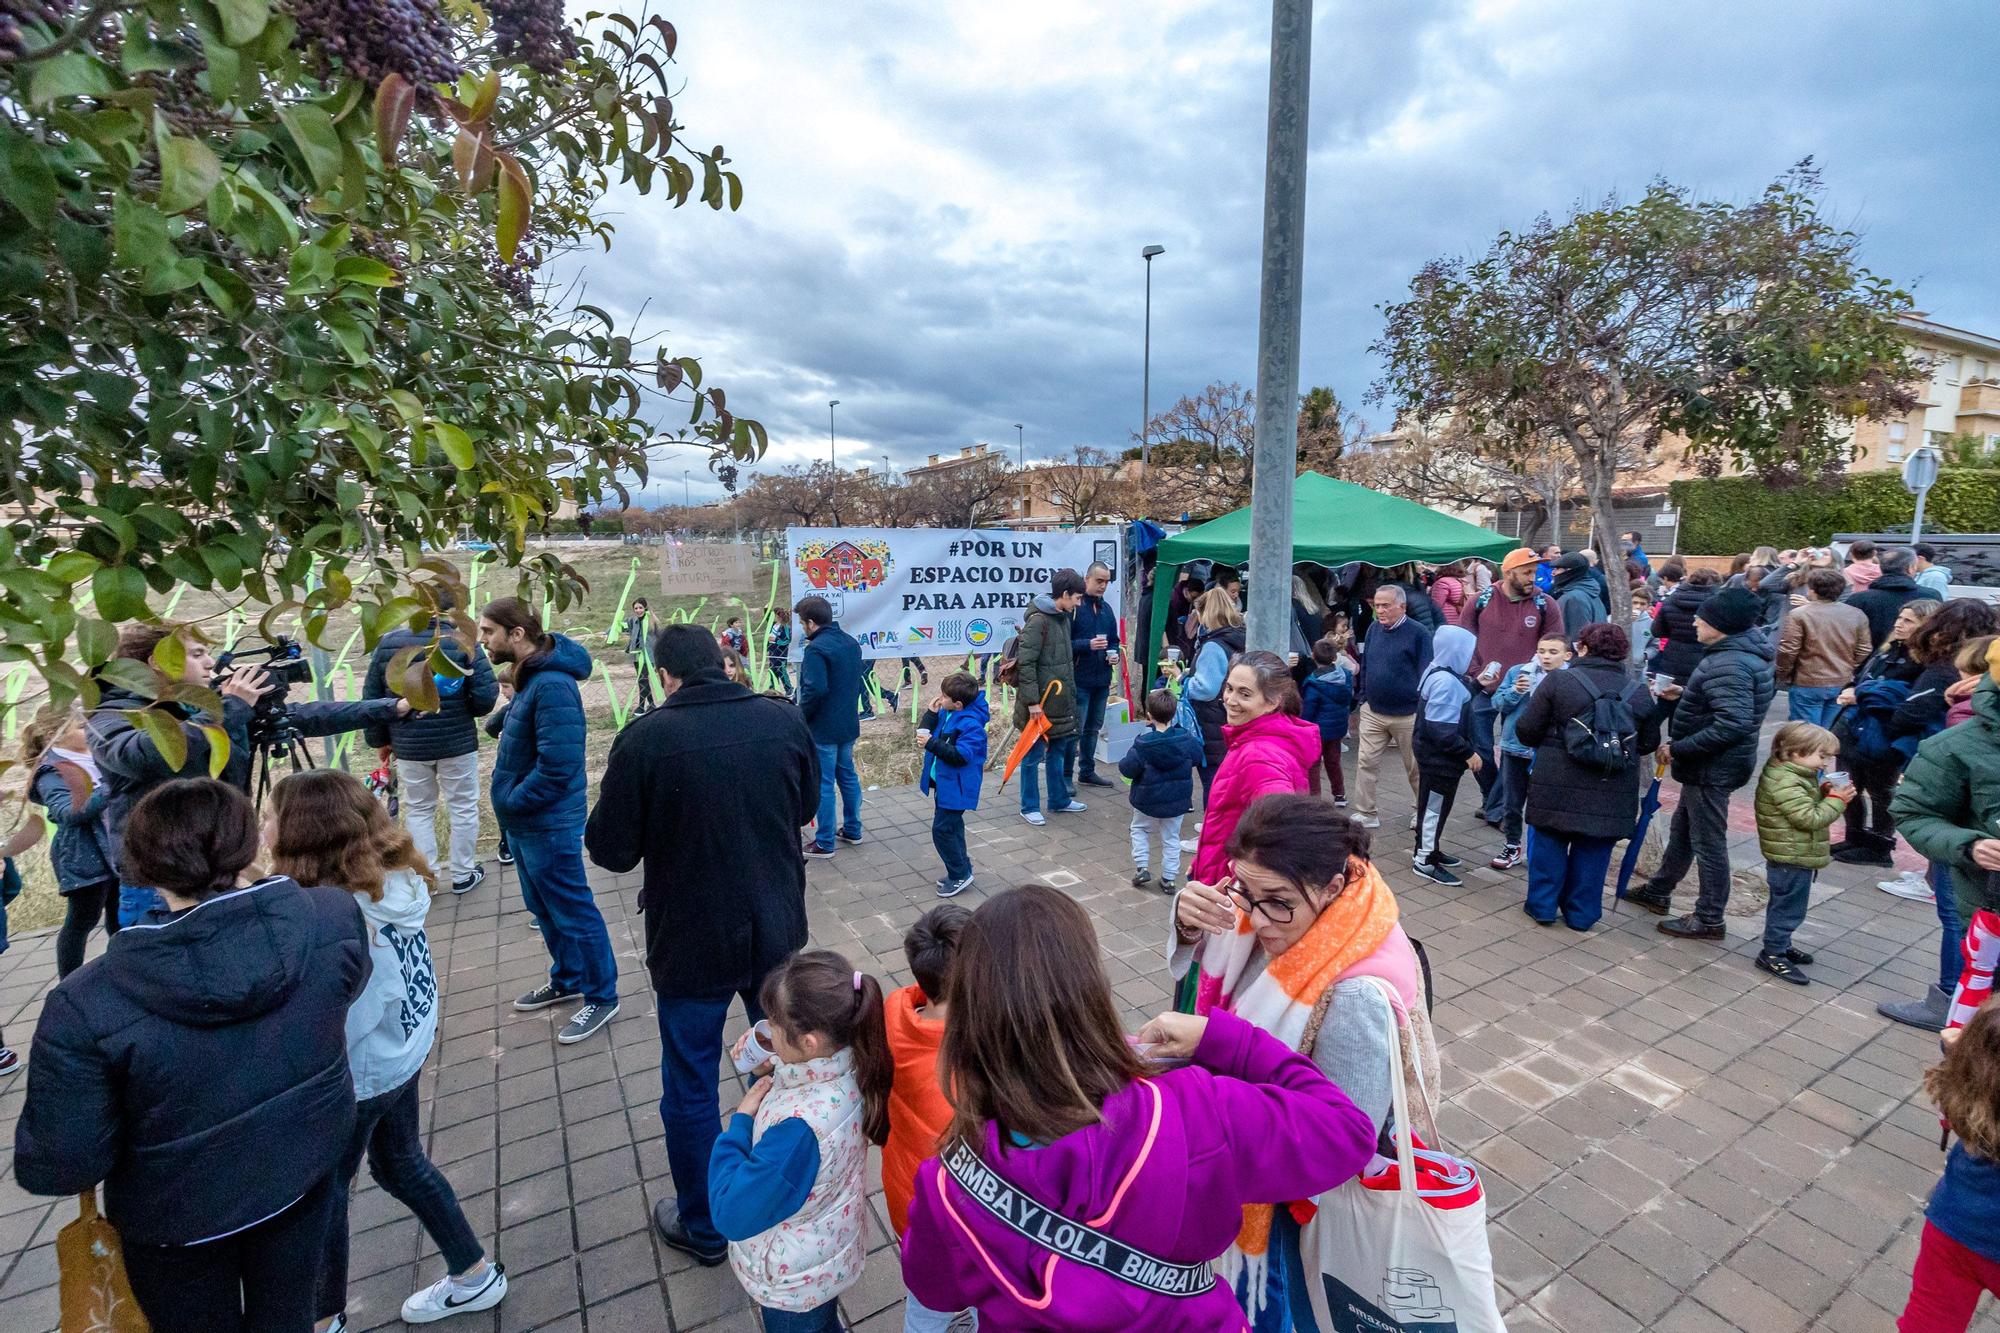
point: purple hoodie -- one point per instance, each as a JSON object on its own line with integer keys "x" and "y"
{"x": 1248, "y": 1122}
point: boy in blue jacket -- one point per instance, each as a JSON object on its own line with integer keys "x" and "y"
{"x": 1328, "y": 697}
{"x": 953, "y": 733}
{"x": 1551, "y": 654}
{"x": 1161, "y": 765}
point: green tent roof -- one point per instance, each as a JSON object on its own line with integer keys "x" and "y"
{"x": 1334, "y": 522}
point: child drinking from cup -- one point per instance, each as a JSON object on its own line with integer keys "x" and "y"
{"x": 788, "y": 1178}
{"x": 1795, "y": 808}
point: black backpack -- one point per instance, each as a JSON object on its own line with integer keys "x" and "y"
{"x": 1602, "y": 738}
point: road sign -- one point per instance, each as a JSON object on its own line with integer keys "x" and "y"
{"x": 1920, "y": 472}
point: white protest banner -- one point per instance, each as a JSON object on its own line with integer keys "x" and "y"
{"x": 924, "y": 592}
{"x": 707, "y": 567}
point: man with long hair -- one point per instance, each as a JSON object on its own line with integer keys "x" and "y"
{"x": 538, "y": 794}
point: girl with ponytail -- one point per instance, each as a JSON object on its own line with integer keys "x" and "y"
{"x": 787, "y": 1181}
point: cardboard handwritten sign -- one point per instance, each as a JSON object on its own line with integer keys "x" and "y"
{"x": 702, "y": 568}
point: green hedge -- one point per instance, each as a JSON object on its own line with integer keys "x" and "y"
{"x": 1730, "y": 515}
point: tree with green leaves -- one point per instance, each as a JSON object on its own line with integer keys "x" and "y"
{"x": 1752, "y": 330}
{"x": 272, "y": 320}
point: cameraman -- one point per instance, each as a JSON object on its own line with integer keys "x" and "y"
{"x": 437, "y": 754}
{"x": 132, "y": 765}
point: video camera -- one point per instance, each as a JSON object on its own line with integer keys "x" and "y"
{"x": 273, "y": 728}
{"x": 282, "y": 659}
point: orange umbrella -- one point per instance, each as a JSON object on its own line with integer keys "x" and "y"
{"x": 1037, "y": 727}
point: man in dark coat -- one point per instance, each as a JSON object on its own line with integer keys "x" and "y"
{"x": 437, "y": 754}
{"x": 1579, "y": 591}
{"x": 1882, "y": 599}
{"x": 1094, "y": 643}
{"x": 1713, "y": 751}
{"x": 540, "y": 798}
{"x": 1579, "y": 812}
{"x": 830, "y": 699}
{"x": 1045, "y": 685}
{"x": 709, "y": 790}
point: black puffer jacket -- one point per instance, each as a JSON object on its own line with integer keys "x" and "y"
{"x": 1565, "y": 797}
{"x": 453, "y": 729}
{"x": 1419, "y": 604}
{"x": 1675, "y": 624}
{"x": 199, "y": 1068}
{"x": 1715, "y": 725}
{"x": 1883, "y": 599}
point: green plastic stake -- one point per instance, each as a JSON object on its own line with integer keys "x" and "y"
{"x": 624, "y": 600}
{"x": 17, "y": 680}
{"x": 167, "y": 612}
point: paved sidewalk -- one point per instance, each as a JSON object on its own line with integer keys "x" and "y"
{"x": 1670, "y": 1140}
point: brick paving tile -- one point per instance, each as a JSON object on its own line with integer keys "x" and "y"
{"x": 1670, "y": 1141}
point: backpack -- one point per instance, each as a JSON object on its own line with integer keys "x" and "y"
{"x": 1601, "y": 739}
{"x": 1479, "y": 602}
{"x": 1009, "y": 669}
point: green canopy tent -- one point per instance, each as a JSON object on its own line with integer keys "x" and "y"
{"x": 1333, "y": 523}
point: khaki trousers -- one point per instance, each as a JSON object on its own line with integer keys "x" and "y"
{"x": 1377, "y": 734}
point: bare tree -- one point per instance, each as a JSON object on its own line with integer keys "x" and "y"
{"x": 1087, "y": 487}
{"x": 962, "y": 497}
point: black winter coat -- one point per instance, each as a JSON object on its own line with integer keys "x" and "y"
{"x": 1715, "y": 723}
{"x": 830, "y": 685}
{"x": 199, "y": 1068}
{"x": 1419, "y": 604}
{"x": 1675, "y": 624}
{"x": 1564, "y": 796}
{"x": 1161, "y": 766}
{"x": 1881, "y": 600}
{"x": 451, "y": 731}
{"x": 710, "y": 790}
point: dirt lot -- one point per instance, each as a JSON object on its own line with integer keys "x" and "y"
{"x": 887, "y": 754}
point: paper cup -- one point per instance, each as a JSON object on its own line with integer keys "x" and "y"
{"x": 1837, "y": 779}
{"x": 1173, "y": 654}
{"x": 756, "y": 1047}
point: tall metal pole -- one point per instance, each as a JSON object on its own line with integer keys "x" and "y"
{"x": 887, "y": 474}
{"x": 1146, "y": 375}
{"x": 687, "y": 495}
{"x": 1020, "y": 446}
{"x": 1274, "y": 464}
{"x": 829, "y": 434}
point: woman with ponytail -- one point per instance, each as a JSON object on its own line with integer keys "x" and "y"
{"x": 199, "y": 1070}
{"x": 787, "y": 1181}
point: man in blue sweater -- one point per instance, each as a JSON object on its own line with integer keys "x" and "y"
{"x": 830, "y": 698}
{"x": 1393, "y": 661}
{"x": 1094, "y": 640}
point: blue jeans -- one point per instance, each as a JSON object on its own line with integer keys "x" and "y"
{"x": 690, "y": 1109}
{"x": 1814, "y": 704}
{"x": 1493, "y": 801}
{"x": 1057, "y": 756}
{"x": 825, "y": 1319}
{"x": 558, "y": 896}
{"x": 386, "y": 1129}
{"x": 1566, "y": 877}
{"x": 1950, "y": 960}
{"x": 1090, "y": 701}
{"x": 836, "y": 769}
{"x": 134, "y": 902}
{"x": 1791, "y": 891}
{"x": 948, "y": 836}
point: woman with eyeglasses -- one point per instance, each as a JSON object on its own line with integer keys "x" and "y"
{"x": 1299, "y": 935}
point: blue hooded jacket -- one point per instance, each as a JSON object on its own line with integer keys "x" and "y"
{"x": 1161, "y": 765}
{"x": 538, "y": 781}
{"x": 1326, "y": 697}
{"x": 959, "y": 733}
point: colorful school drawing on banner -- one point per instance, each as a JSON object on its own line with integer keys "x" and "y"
{"x": 926, "y": 592}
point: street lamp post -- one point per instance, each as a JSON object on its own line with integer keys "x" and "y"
{"x": 687, "y": 495}
{"x": 1146, "y": 376}
{"x": 887, "y": 474}
{"x": 1020, "y": 446}
{"x": 829, "y": 433}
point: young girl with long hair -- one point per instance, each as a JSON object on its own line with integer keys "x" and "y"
{"x": 325, "y": 828}
{"x": 69, "y": 786}
{"x": 1061, "y": 1124}
{"x": 1960, "y": 1254}
{"x": 787, "y": 1181}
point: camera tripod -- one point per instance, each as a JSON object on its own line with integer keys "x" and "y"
{"x": 277, "y": 734}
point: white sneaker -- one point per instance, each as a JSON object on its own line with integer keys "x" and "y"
{"x": 1190, "y": 844}
{"x": 446, "y": 1297}
{"x": 1368, "y": 821}
{"x": 1073, "y": 808}
{"x": 1910, "y": 884}
{"x": 1035, "y": 817}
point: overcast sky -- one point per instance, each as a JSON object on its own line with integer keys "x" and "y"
{"x": 944, "y": 203}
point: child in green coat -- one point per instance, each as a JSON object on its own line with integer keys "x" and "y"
{"x": 1795, "y": 808}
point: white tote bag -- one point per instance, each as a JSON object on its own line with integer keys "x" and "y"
{"x": 1403, "y": 1247}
